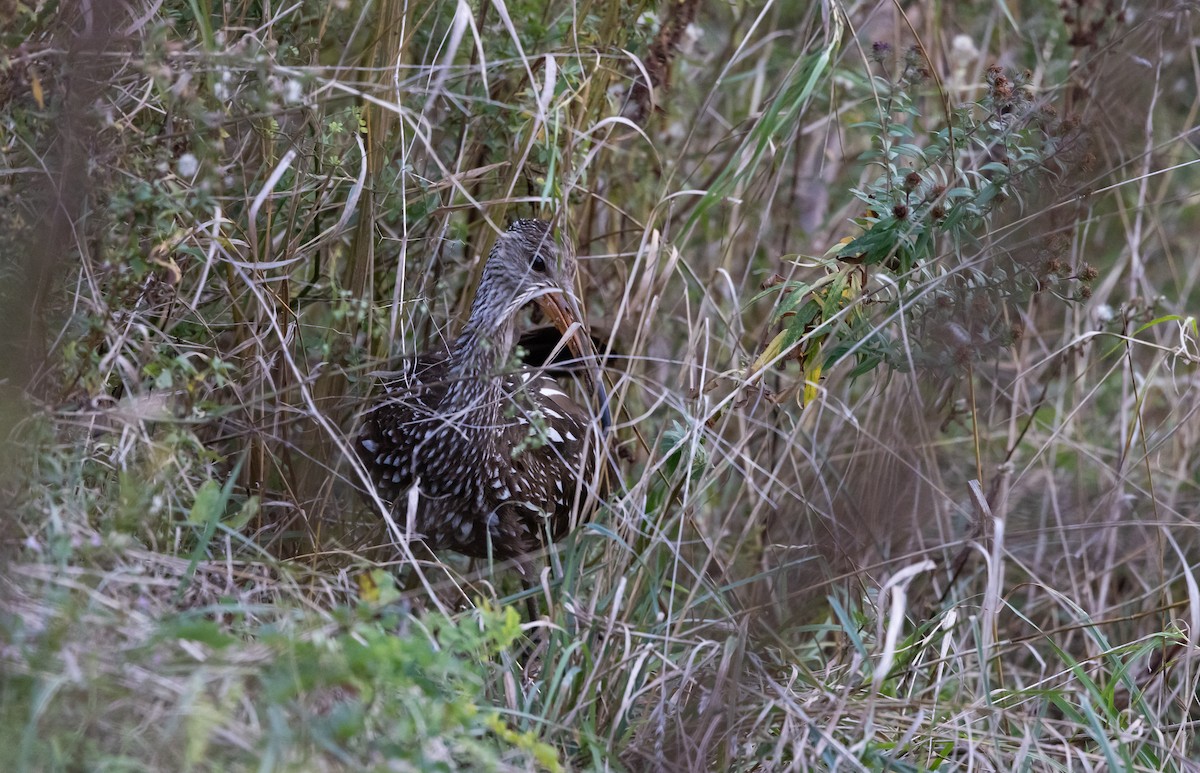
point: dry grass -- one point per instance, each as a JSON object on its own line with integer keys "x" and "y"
{"x": 977, "y": 554}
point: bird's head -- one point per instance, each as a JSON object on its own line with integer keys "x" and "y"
{"x": 528, "y": 264}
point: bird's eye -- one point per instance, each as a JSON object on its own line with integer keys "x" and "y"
{"x": 538, "y": 264}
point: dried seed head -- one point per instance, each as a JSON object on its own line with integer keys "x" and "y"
{"x": 774, "y": 280}
{"x": 916, "y": 67}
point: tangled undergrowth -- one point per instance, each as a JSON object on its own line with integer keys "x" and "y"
{"x": 898, "y": 314}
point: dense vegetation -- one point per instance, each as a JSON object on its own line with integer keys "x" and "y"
{"x": 899, "y": 307}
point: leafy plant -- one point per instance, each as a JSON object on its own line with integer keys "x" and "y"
{"x": 925, "y": 282}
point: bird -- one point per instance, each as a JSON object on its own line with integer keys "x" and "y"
{"x": 479, "y": 456}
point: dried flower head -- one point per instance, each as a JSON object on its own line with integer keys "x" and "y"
{"x": 774, "y": 280}
{"x": 916, "y": 67}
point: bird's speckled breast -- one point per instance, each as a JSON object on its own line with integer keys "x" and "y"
{"x": 495, "y": 473}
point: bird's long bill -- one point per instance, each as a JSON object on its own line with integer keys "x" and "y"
{"x": 560, "y": 307}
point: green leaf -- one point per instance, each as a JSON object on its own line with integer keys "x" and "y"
{"x": 1158, "y": 321}
{"x": 208, "y": 505}
{"x": 245, "y": 514}
{"x": 796, "y": 287}
{"x": 805, "y": 317}
{"x": 833, "y": 299}
{"x": 987, "y": 194}
{"x": 866, "y": 364}
{"x": 198, "y": 630}
{"x": 791, "y": 301}
{"x": 779, "y": 119}
{"x": 676, "y": 446}
{"x": 207, "y": 510}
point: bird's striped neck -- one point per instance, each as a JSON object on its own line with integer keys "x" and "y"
{"x": 483, "y": 348}
{"x": 478, "y": 361}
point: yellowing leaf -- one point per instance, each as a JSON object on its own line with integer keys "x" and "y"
{"x": 812, "y": 377}
{"x": 35, "y": 86}
{"x": 368, "y": 591}
{"x": 377, "y": 587}
{"x": 771, "y": 352}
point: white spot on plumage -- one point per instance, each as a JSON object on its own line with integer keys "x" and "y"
{"x": 552, "y": 433}
{"x": 370, "y": 445}
{"x": 571, "y": 436}
{"x": 549, "y": 391}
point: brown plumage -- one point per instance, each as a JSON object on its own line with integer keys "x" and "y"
{"x": 491, "y": 459}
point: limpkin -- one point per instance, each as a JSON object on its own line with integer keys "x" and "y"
{"x": 492, "y": 459}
